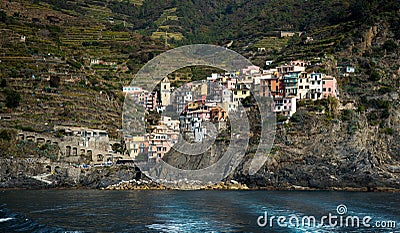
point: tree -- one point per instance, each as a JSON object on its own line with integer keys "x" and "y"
{"x": 12, "y": 98}
{"x": 5, "y": 135}
{"x": 390, "y": 46}
{"x": 3, "y": 17}
{"x": 374, "y": 76}
{"x": 3, "y": 83}
{"x": 55, "y": 81}
{"x": 118, "y": 148}
{"x": 332, "y": 105}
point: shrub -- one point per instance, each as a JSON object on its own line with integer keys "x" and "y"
{"x": 388, "y": 131}
{"x": 374, "y": 76}
{"x": 12, "y": 98}
{"x": 390, "y": 46}
{"x": 55, "y": 81}
{"x": 281, "y": 118}
{"x": 347, "y": 115}
{"x": 296, "y": 118}
{"x": 5, "y": 135}
{"x": 3, "y": 83}
{"x": 361, "y": 108}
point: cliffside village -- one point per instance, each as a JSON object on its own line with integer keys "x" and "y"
{"x": 212, "y": 99}
{"x": 194, "y": 103}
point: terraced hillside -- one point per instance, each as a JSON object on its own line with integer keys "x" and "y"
{"x": 68, "y": 60}
{"x": 67, "y": 69}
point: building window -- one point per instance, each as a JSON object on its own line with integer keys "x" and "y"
{"x": 301, "y": 87}
{"x": 329, "y": 89}
{"x": 323, "y": 82}
{"x": 323, "y": 89}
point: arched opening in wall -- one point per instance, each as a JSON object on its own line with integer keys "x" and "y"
{"x": 21, "y": 136}
{"x": 57, "y": 169}
{"x": 30, "y": 138}
{"x": 100, "y": 158}
{"x": 82, "y": 153}
{"x": 48, "y": 169}
{"x": 48, "y": 141}
{"x": 68, "y": 151}
{"x": 74, "y": 151}
{"x": 40, "y": 141}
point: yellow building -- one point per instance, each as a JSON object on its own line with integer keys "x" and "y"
{"x": 240, "y": 94}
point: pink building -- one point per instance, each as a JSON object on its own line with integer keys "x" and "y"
{"x": 231, "y": 83}
{"x": 160, "y": 141}
{"x": 251, "y": 70}
{"x": 329, "y": 87}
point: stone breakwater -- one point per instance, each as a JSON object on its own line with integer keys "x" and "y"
{"x": 176, "y": 185}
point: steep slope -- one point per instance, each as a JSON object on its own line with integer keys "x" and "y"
{"x": 68, "y": 61}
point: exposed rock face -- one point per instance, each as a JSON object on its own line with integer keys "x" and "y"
{"x": 322, "y": 154}
{"x": 175, "y": 185}
{"x": 15, "y": 173}
{"x": 19, "y": 173}
{"x": 326, "y": 156}
{"x": 313, "y": 153}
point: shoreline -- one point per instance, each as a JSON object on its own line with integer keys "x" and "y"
{"x": 293, "y": 188}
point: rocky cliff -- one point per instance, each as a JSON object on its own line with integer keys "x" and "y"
{"x": 315, "y": 151}
{"x": 34, "y": 174}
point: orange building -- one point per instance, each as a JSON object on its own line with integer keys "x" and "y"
{"x": 269, "y": 86}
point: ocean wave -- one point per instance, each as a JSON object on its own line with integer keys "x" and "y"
{"x": 6, "y": 219}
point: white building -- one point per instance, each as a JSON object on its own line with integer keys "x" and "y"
{"x": 286, "y": 106}
{"x": 304, "y": 84}
{"x": 316, "y": 86}
{"x": 165, "y": 92}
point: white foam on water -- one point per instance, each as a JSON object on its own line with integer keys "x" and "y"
{"x": 5, "y": 219}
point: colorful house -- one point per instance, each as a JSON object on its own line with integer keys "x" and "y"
{"x": 290, "y": 81}
{"x": 329, "y": 87}
{"x": 269, "y": 85}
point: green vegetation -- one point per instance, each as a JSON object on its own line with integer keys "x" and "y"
{"x": 347, "y": 115}
{"x": 55, "y": 81}
{"x": 13, "y": 98}
{"x": 95, "y": 47}
{"x": 375, "y": 76}
{"x": 388, "y": 131}
{"x": 6, "y": 135}
{"x": 390, "y": 46}
{"x": 3, "y": 83}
